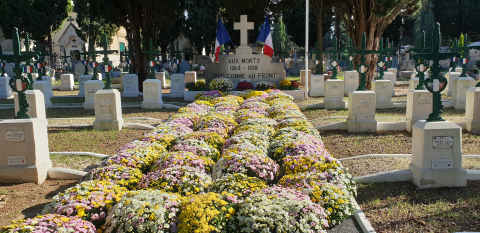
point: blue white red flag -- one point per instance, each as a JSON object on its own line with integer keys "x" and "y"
{"x": 464, "y": 60}
{"x": 265, "y": 36}
{"x": 151, "y": 63}
{"x": 222, "y": 37}
{"x": 85, "y": 62}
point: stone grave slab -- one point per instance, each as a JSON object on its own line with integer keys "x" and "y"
{"x": 419, "y": 106}
{"x": 66, "y": 82}
{"x": 303, "y": 79}
{"x": 45, "y": 88}
{"x": 334, "y": 94}
{"x": 161, "y": 77}
{"x": 81, "y": 84}
{"x": 190, "y": 76}
{"x": 393, "y": 79}
{"x": 361, "y": 112}
{"x": 108, "y": 110}
{"x": 152, "y": 94}
{"x": 5, "y": 90}
{"x": 459, "y": 93}
{"x": 91, "y": 87}
{"x": 437, "y": 155}
{"x": 177, "y": 85}
{"x": 472, "y": 110}
{"x": 184, "y": 67}
{"x": 382, "y": 89}
{"x": 36, "y": 102}
{"x": 25, "y": 156}
{"x": 317, "y": 87}
{"x": 130, "y": 85}
{"x": 48, "y": 89}
{"x": 352, "y": 81}
{"x": 451, "y": 77}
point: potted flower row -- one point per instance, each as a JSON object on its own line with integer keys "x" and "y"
{"x": 196, "y": 86}
{"x": 287, "y": 85}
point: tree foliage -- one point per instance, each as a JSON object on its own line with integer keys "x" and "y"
{"x": 279, "y": 34}
{"x": 201, "y": 23}
{"x": 457, "y": 16}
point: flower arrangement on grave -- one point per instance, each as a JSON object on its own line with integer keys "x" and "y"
{"x": 295, "y": 85}
{"x": 238, "y": 184}
{"x": 261, "y": 212}
{"x": 200, "y": 86}
{"x": 121, "y": 175}
{"x": 244, "y": 85}
{"x": 248, "y": 115}
{"x": 256, "y": 99}
{"x": 169, "y": 69}
{"x": 256, "y": 139}
{"x": 165, "y": 140}
{"x": 220, "y": 131}
{"x": 250, "y": 164}
{"x": 258, "y": 110}
{"x": 190, "y": 86}
{"x": 285, "y": 84}
{"x": 207, "y": 212}
{"x": 221, "y": 84}
{"x": 199, "y": 68}
{"x": 140, "y": 144}
{"x": 274, "y": 95}
{"x": 209, "y": 95}
{"x": 141, "y": 158}
{"x": 174, "y": 129}
{"x": 333, "y": 197}
{"x": 50, "y": 223}
{"x": 184, "y": 180}
{"x": 255, "y": 105}
{"x": 89, "y": 200}
{"x": 244, "y": 147}
{"x": 183, "y": 158}
{"x": 215, "y": 120}
{"x": 265, "y": 86}
{"x": 292, "y": 122}
{"x": 145, "y": 211}
{"x": 260, "y": 94}
{"x": 201, "y": 105}
{"x": 259, "y": 121}
{"x": 197, "y": 147}
{"x": 230, "y": 99}
{"x": 215, "y": 140}
{"x": 264, "y": 130}
{"x": 186, "y": 119}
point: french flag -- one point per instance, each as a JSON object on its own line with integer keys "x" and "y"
{"x": 222, "y": 37}
{"x": 265, "y": 36}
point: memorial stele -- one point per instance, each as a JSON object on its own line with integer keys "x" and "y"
{"x": 243, "y": 65}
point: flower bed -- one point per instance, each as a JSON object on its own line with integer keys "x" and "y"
{"x": 249, "y": 162}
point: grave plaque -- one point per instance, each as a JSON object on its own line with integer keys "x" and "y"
{"x": 363, "y": 116}
{"x": 442, "y": 163}
{"x": 442, "y": 142}
{"x": 150, "y": 89}
{"x": 106, "y": 116}
{"x": 151, "y": 99}
{"x": 105, "y": 102}
{"x": 14, "y": 160}
{"x": 425, "y": 100}
{"x": 335, "y": 98}
{"x": 15, "y": 136}
{"x": 423, "y": 116}
{"x": 364, "y": 103}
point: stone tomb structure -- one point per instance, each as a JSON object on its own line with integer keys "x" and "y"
{"x": 81, "y": 83}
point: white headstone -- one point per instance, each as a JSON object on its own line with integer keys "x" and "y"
{"x": 45, "y": 88}
{"x": 152, "y": 94}
{"x": 383, "y": 93}
{"x": 352, "y": 81}
{"x": 161, "y": 77}
{"x": 419, "y": 106}
{"x": 36, "y": 102}
{"x": 460, "y": 87}
{"x": 437, "y": 155}
{"x": 177, "y": 85}
{"x": 451, "y": 77}
{"x": 81, "y": 84}
{"x": 48, "y": 89}
{"x": 317, "y": 87}
{"x": 184, "y": 67}
{"x": 472, "y": 110}
{"x": 334, "y": 94}
{"x": 302, "y": 77}
{"x": 5, "y": 89}
{"x": 190, "y": 76}
{"x": 361, "y": 112}
{"x": 108, "y": 111}
{"x": 25, "y": 156}
{"x": 130, "y": 85}
{"x": 91, "y": 87}
{"x": 393, "y": 78}
{"x": 66, "y": 82}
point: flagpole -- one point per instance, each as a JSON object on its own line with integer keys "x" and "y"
{"x": 306, "y": 46}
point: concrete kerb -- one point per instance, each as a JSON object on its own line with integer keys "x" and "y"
{"x": 125, "y": 126}
{"x": 362, "y": 219}
{"x": 59, "y": 173}
{"x": 80, "y": 153}
{"x": 381, "y": 126}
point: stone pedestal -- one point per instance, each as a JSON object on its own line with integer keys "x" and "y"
{"x": 334, "y": 94}
{"x": 472, "y": 110}
{"x": 190, "y": 76}
{"x": 394, "y": 71}
{"x": 450, "y": 76}
{"x": 66, "y": 82}
{"x": 437, "y": 155}
{"x": 121, "y": 78}
{"x": 48, "y": 79}
{"x": 152, "y": 94}
{"x": 459, "y": 93}
{"x": 177, "y": 85}
{"x": 81, "y": 84}
{"x": 352, "y": 81}
{"x": 419, "y": 106}
{"x": 130, "y": 85}
{"x": 302, "y": 77}
{"x": 5, "y": 90}
{"x": 317, "y": 86}
{"x": 361, "y": 112}
{"x": 24, "y": 156}
{"x": 413, "y": 83}
{"x": 108, "y": 111}
{"x": 91, "y": 87}
{"x": 45, "y": 88}
{"x": 382, "y": 89}
{"x": 393, "y": 78}
{"x": 36, "y": 102}
{"x": 161, "y": 77}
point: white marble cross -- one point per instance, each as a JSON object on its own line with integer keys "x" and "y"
{"x": 243, "y": 26}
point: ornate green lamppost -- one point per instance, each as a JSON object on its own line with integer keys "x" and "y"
{"x": 362, "y": 68}
{"x": 107, "y": 68}
{"x": 18, "y": 83}
{"x": 334, "y": 62}
{"x": 465, "y": 51}
{"x": 65, "y": 62}
{"x": 436, "y": 84}
{"x": 152, "y": 53}
{"x": 420, "y": 65}
{"x": 351, "y": 55}
{"x": 178, "y": 56}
